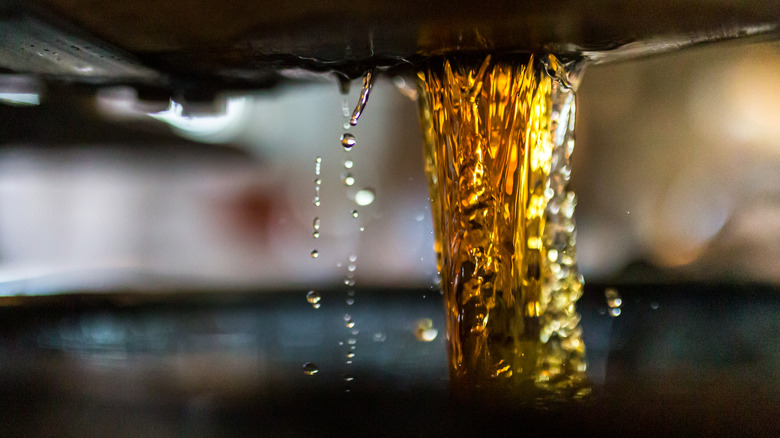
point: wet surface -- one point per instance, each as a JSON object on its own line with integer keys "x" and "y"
{"x": 688, "y": 359}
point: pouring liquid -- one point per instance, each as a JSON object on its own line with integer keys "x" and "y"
{"x": 498, "y": 136}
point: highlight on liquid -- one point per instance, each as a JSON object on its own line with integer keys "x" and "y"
{"x": 498, "y": 137}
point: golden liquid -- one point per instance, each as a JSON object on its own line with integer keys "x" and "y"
{"x": 498, "y": 139}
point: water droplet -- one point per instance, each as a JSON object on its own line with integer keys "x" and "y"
{"x": 348, "y": 164}
{"x": 310, "y": 368}
{"x": 362, "y": 229}
{"x": 315, "y": 253}
{"x": 368, "y": 82}
{"x": 316, "y": 234}
{"x": 348, "y": 140}
{"x": 355, "y": 214}
{"x": 317, "y": 201}
{"x": 317, "y": 181}
{"x": 365, "y": 196}
{"x": 348, "y": 179}
{"x": 318, "y": 160}
{"x": 316, "y": 223}
{"x": 613, "y": 298}
{"x": 313, "y": 297}
{"x": 425, "y": 331}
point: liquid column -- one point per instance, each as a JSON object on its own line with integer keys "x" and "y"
{"x": 498, "y": 139}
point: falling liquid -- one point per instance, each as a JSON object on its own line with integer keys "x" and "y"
{"x": 368, "y": 82}
{"x": 365, "y": 197}
{"x": 499, "y": 135}
{"x": 313, "y": 297}
{"x": 348, "y": 141}
{"x": 310, "y": 369}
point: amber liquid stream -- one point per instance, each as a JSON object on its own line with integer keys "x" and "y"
{"x": 498, "y": 137}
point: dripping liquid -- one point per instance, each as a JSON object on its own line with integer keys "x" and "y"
{"x": 498, "y": 136}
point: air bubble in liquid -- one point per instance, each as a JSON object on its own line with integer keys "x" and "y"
{"x": 315, "y": 253}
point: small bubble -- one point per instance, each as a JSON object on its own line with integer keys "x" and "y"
{"x": 317, "y": 201}
{"x": 310, "y": 368}
{"x": 346, "y": 125}
{"x": 552, "y": 255}
{"x": 350, "y": 301}
{"x": 351, "y": 341}
{"x": 348, "y": 179}
{"x": 654, "y": 305}
{"x": 352, "y": 257}
{"x": 365, "y": 196}
{"x": 316, "y": 306}
{"x": 362, "y": 229}
{"x": 350, "y": 324}
{"x": 348, "y": 164}
{"x": 355, "y": 332}
{"x": 316, "y": 234}
{"x": 419, "y": 217}
{"x": 313, "y": 297}
{"x": 317, "y": 181}
{"x": 348, "y": 362}
{"x": 355, "y": 214}
{"x": 316, "y": 223}
{"x": 318, "y": 160}
{"x": 351, "y": 293}
{"x": 348, "y": 141}
{"x": 315, "y": 253}
{"x": 351, "y": 268}
{"x": 350, "y": 355}
{"x": 348, "y": 377}
{"x": 379, "y": 337}
{"x": 614, "y": 311}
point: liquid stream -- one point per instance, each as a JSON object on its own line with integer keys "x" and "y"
{"x": 498, "y": 138}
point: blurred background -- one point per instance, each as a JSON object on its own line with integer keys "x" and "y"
{"x": 676, "y": 166}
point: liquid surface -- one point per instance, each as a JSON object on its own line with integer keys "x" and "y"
{"x": 498, "y": 139}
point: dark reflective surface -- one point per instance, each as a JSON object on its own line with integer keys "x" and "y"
{"x": 688, "y": 359}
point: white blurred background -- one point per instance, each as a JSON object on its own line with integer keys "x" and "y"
{"x": 677, "y": 170}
